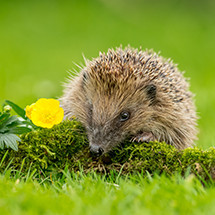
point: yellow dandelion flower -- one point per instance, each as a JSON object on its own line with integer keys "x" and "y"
{"x": 45, "y": 113}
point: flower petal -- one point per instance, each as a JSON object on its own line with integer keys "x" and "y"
{"x": 45, "y": 113}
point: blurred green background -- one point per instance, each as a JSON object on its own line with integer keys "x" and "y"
{"x": 41, "y": 40}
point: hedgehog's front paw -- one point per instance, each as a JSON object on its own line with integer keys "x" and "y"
{"x": 144, "y": 137}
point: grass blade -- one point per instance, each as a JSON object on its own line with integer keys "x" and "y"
{"x": 17, "y": 109}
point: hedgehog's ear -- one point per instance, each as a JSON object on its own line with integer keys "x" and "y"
{"x": 151, "y": 91}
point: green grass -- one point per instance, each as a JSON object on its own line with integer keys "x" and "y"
{"x": 91, "y": 194}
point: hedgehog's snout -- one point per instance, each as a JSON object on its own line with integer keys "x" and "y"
{"x": 104, "y": 136}
{"x": 96, "y": 150}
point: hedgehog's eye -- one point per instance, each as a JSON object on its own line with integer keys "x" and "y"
{"x": 124, "y": 115}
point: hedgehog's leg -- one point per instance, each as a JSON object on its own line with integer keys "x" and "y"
{"x": 144, "y": 137}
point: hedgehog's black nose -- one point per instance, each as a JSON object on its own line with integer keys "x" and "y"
{"x": 96, "y": 150}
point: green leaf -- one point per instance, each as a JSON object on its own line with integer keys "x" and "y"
{"x": 1, "y": 143}
{"x": 4, "y": 117}
{"x": 17, "y": 109}
{"x": 15, "y": 123}
{"x": 10, "y": 140}
{"x": 4, "y": 130}
{"x": 19, "y": 130}
{"x": 11, "y": 120}
{"x": 8, "y": 121}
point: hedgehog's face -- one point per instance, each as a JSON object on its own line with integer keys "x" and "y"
{"x": 115, "y": 115}
{"x": 105, "y": 134}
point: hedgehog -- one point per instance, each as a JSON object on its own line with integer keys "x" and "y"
{"x": 131, "y": 93}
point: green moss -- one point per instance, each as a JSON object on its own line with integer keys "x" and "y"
{"x": 65, "y": 145}
{"x": 47, "y": 149}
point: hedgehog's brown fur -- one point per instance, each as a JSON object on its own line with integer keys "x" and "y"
{"x": 145, "y": 85}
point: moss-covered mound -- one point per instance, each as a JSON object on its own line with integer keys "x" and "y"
{"x": 65, "y": 145}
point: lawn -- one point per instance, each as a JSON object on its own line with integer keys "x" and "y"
{"x": 41, "y": 40}
{"x": 93, "y": 194}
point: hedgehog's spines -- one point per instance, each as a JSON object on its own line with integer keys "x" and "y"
{"x": 117, "y": 81}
